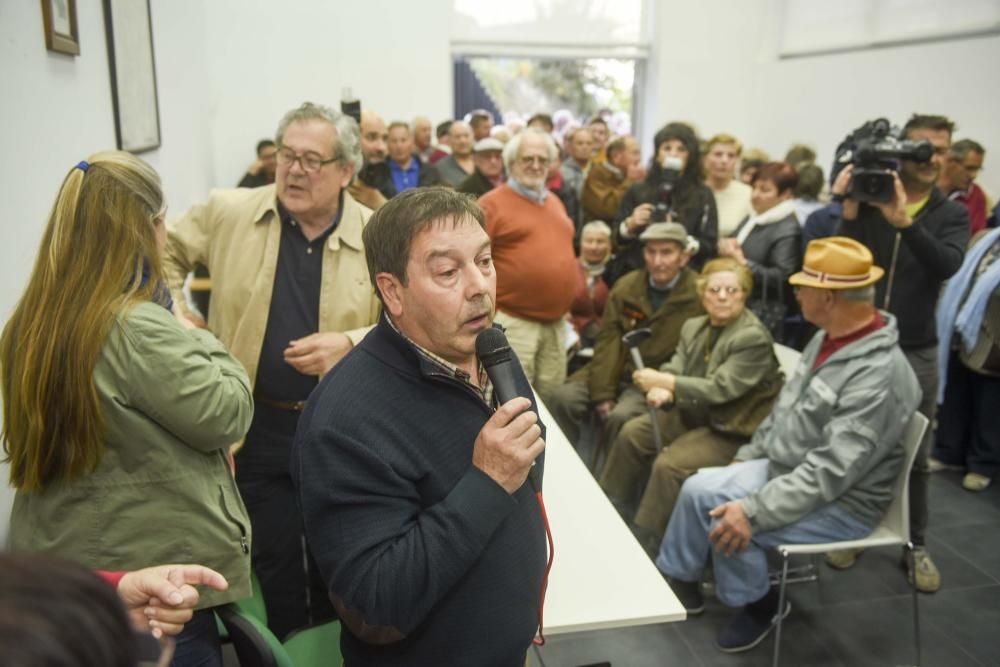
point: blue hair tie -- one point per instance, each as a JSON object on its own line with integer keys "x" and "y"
{"x": 83, "y": 165}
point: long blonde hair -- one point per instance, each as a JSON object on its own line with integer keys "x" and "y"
{"x": 89, "y": 268}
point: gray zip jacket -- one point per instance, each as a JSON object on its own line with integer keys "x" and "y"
{"x": 835, "y": 434}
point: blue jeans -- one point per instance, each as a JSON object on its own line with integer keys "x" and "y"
{"x": 198, "y": 644}
{"x": 741, "y": 578}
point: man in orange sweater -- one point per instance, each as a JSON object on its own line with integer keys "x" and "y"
{"x": 533, "y": 253}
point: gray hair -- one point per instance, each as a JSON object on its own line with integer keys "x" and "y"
{"x": 596, "y": 226}
{"x": 513, "y": 147}
{"x": 864, "y": 294}
{"x": 347, "y": 150}
{"x": 962, "y": 148}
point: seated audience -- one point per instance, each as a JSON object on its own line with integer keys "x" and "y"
{"x": 822, "y": 467}
{"x": 591, "y": 290}
{"x": 671, "y": 195}
{"x": 487, "y": 154}
{"x": 958, "y": 180}
{"x": 968, "y": 319}
{"x": 661, "y": 297}
{"x": 732, "y": 196}
{"x": 720, "y": 383}
{"x": 768, "y": 242}
{"x": 129, "y": 430}
{"x": 458, "y": 166}
{"x": 262, "y": 171}
{"x": 606, "y": 184}
{"x": 532, "y": 242}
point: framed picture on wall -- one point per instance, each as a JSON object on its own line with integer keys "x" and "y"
{"x": 133, "y": 74}
{"x": 61, "y": 32}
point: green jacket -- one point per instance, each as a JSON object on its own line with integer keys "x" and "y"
{"x": 173, "y": 400}
{"x": 734, "y": 389}
{"x": 629, "y": 308}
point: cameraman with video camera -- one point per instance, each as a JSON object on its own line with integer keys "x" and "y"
{"x": 891, "y": 204}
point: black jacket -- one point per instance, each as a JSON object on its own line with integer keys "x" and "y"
{"x": 694, "y": 207}
{"x": 773, "y": 252}
{"x": 427, "y": 560}
{"x": 476, "y": 184}
{"x": 929, "y": 252}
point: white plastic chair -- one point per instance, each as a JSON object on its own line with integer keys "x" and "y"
{"x": 788, "y": 359}
{"x": 893, "y": 529}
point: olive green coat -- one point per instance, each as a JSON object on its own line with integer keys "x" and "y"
{"x": 173, "y": 400}
{"x": 733, "y": 390}
{"x": 629, "y": 308}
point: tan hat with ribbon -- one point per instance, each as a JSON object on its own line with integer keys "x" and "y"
{"x": 837, "y": 262}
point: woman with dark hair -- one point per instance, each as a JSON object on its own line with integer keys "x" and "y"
{"x": 769, "y": 242}
{"x": 673, "y": 188}
{"x": 118, "y": 414}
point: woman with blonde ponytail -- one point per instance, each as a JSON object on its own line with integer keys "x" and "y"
{"x": 117, "y": 414}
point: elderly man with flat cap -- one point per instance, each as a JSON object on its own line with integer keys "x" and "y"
{"x": 487, "y": 154}
{"x": 660, "y": 297}
{"x": 820, "y": 468}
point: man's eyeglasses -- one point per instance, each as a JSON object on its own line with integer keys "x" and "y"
{"x": 728, "y": 289}
{"x": 310, "y": 162}
{"x": 529, "y": 160}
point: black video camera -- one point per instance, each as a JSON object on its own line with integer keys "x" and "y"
{"x": 875, "y": 152}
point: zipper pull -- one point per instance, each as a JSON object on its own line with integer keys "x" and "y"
{"x": 244, "y": 545}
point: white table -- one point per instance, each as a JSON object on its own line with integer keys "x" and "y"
{"x": 601, "y": 578}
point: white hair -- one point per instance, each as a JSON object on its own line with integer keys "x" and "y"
{"x": 513, "y": 147}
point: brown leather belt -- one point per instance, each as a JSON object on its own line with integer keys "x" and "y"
{"x": 288, "y": 406}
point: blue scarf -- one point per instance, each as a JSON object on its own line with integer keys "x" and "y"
{"x": 533, "y": 195}
{"x": 966, "y": 318}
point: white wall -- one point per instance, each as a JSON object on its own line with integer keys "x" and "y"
{"x": 718, "y": 67}
{"x": 265, "y": 59}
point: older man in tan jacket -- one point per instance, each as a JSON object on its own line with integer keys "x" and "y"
{"x": 290, "y": 297}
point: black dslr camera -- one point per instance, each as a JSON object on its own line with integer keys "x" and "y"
{"x": 875, "y": 151}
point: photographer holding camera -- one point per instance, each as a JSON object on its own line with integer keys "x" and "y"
{"x": 673, "y": 191}
{"x": 919, "y": 236}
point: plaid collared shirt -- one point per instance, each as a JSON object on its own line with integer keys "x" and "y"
{"x": 483, "y": 388}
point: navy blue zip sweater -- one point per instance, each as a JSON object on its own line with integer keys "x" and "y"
{"x": 427, "y": 560}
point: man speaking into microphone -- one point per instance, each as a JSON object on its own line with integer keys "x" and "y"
{"x": 413, "y": 484}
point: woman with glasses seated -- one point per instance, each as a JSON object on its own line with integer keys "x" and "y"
{"x": 118, "y": 414}
{"x": 714, "y": 391}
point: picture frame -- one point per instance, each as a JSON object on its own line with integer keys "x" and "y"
{"x": 129, "y": 30}
{"x": 62, "y": 34}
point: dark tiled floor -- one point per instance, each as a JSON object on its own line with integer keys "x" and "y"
{"x": 855, "y": 618}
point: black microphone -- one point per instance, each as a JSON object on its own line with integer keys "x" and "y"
{"x": 507, "y": 376}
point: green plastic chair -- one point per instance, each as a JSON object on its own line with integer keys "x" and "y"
{"x": 245, "y": 624}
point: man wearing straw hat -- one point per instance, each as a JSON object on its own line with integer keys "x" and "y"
{"x": 820, "y": 468}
